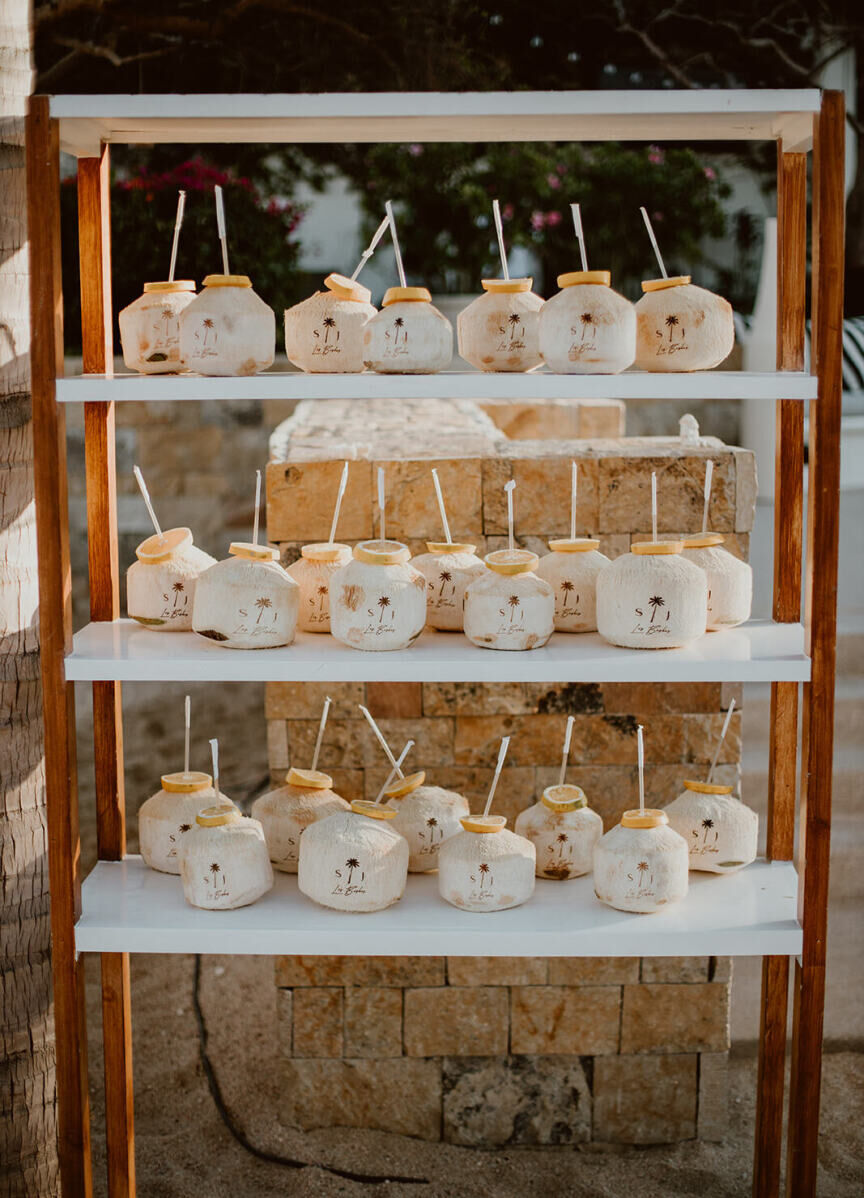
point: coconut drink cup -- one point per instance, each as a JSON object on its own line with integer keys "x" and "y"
{"x": 167, "y": 816}
{"x": 426, "y": 816}
{"x": 587, "y": 328}
{"x": 313, "y": 572}
{"x": 682, "y": 327}
{"x": 409, "y": 335}
{"x": 160, "y": 585}
{"x": 564, "y": 830}
{"x": 286, "y": 812}
{"x": 227, "y": 329}
{"x": 247, "y": 601}
{"x": 377, "y": 600}
{"x": 652, "y": 598}
{"x": 485, "y": 867}
{"x": 641, "y": 864}
{"x": 150, "y": 327}
{"x": 730, "y": 580}
{"x": 448, "y": 570}
{"x": 720, "y": 832}
{"x": 223, "y": 860}
{"x": 354, "y": 860}
{"x": 571, "y": 570}
{"x": 499, "y": 331}
{"x": 508, "y": 606}
{"x": 324, "y": 334}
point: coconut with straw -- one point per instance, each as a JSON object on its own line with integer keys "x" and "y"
{"x": 247, "y": 601}
{"x": 680, "y": 326}
{"x": 409, "y": 335}
{"x": 449, "y": 567}
{"x": 652, "y": 597}
{"x": 730, "y": 580}
{"x": 562, "y": 827}
{"x": 377, "y": 599}
{"x": 508, "y": 606}
{"x": 286, "y": 811}
{"x": 499, "y": 331}
{"x": 167, "y": 816}
{"x": 315, "y": 568}
{"x": 485, "y": 867}
{"x": 227, "y": 329}
{"x": 160, "y": 584}
{"x": 587, "y": 328}
{"x": 571, "y": 568}
{"x": 640, "y": 865}
{"x": 721, "y": 833}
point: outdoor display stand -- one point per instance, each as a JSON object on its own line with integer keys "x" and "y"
{"x": 123, "y": 907}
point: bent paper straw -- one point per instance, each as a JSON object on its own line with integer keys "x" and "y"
{"x": 145, "y": 495}
{"x": 393, "y": 772}
{"x": 370, "y": 249}
{"x": 394, "y": 235}
{"x": 321, "y": 727}
{"x": 381, "y": 741}
{"x": 577, "y": 225}
{"x": 654, "y": 244}
{"x": 499, "y": 230}
{"x": 220, "y": 228}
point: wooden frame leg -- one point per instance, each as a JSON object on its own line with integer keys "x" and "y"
{"x": 55, "y": 627}
{"x": 822, "y": 555}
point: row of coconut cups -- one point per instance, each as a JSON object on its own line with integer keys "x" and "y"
{"x": 357, "y": 856}
{"x": 587, "y": 328}
{"x": 662, "y": 594}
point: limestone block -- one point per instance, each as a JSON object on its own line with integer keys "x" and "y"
{"x": 456, "y": 1021}
{"x": 296, "y": 971}
{"x": 569, "y": 698}
{"x": 373, "y": 1021}
{"x": 655, "y": 698}
{"x": 645, "y": 1100}
{"x": 412, "y": 509}
{"x": 318, "y": 1021}
{"x": 747, "y": 489}
{"x": 497, "y": 971}
{"x": 285, "y": 1020}
{"x": 543, "y": 495}
{"x": 719, "y": 969}
{"x": 674, "y": 969}
{"x": 364, "y": 1093}
{"x": 624, "y": 489}
{"x": 713, "y": 1095}
{"x": 536, "y": 740}
{"x": 490, "y": 1103}
{"x": 703, "y": 733}
{"x": 593, "y": 971}
{"x": 475, "y": 698}
{"x": 395, "y": 700}
{"x": 546, "y": 1020}
{"x": 301, "y": 497}
{"x": 556, "y": 419}
{"x": 298, "y": 700}
{"x": 277, "y": 744}
{"x": 351, "y": 742}
{"x": 673, "y": 1018}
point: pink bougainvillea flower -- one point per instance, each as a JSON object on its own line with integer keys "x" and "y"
{"x": 656, "y": 156}
{"x": 553, "y": 181}
{"x": 553, "y": 218}
{"x": 710, "y": 173}
{"x": 507, "y": 212}
{"x": 537, "y": 221}
{"x": 415, "y": 150}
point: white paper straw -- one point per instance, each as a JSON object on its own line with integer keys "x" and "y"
{"x": 257, "y": 506}
{"x": 370, "y": 248}
{"x": 220, "y": 228}
{"x": 709, "y": 475}
{"x": 395, "y": 237}
{"x": 145, "y": 495}
{"x": 499, "y": 229}
{"x": 391, "y": 776}
{"x": 178, "y": 223}
{"x": 726, "y": 723}
{"x": 343, "y": 483}
{"x": 214, "y": 754}
{"x": 567, "y": 735}
{"x": 321, "y": 727}
{"x": 440, "y": 497}
{"x": 188, "y": 718}
{"x": 509, "y": 487}
{"x": 574, "y": 487}
{"x": 640, "y": 748}
{"x": 382, "y": 504}
{"x": 654, "y": 506}
{"x": 656, "y": 247}
{"x": 381, "y": 741}
{"x": 502, "y": 753}
{"x": 577, "y": 225}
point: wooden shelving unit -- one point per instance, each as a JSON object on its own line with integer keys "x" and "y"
{"x": 770, "y": 909}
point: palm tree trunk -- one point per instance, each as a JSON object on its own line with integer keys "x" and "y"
{"x": 28, "y": 1149}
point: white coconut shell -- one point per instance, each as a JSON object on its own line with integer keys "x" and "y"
{"x": 509, "y": 611}
{"x": 376, "y": 607}
{"x": 730, "y": 586}
{"x": 651, "y": 601}
{"x": 150, "y": 330}
{"x": 227, "y": 331}
{"x": 285, "y": 813}
{"x": 501, "y": 331}
{"x": 426, "y": 818}
{"x": 573, "y": 579}
{"x": 313, "y": 578}
{"x": 353, "y": 863}
{"x": 245, "y": 604}
{"x": 165, "y": 819}
{"x": 640, "y": 869}
{"x": 161, "y": 595}
{"x": 683, "y": 328}
{"x": 588, "y": 329}
{"x": 447, "y": 578}
{"x": 486, "y": 871}
{"x": 226, "y": 866}
{"x": 721, "y": 834}
{"x": 564, "y": 840}
{"x": 324, "y": 334}
{"x": 409, "y": 337}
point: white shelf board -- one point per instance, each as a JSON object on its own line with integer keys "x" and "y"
{"x": 691, "y": 115}
{"x": 539, "y": 385}
{"x": 760, "y": 651}
{"x": 127, "y": 907}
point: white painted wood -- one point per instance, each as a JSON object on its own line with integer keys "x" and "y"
{"x": 663, "y": 115}
{"x": 759, "y": 651}
{"x": 535, "y": 385}
{"x": 129, "y": 908}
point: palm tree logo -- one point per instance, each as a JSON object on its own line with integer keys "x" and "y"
{"x": 587, "y": 322}
{"x": 399, "y": 326}
{"x": 215, "y": 870}
{"x": 329, "y": 323}
{"x": 561, "y": 840}
{"x": 513, "y": 603}
{"x": 178, "y": 588}
{"x": 351, "y": 864}
{"x": 322, "y": 595}
{"x": 445, "y": 577}
{"x": 184, "y": 827}
{"x": 485, "y": 874}
{"x": 671, "y": 324}
{"x": 383, "y": 603}
{"x": 654, "y": 603}
{"x": 514, "y": 320}
{"x": 208, "y": 328}
{"x": 642, "y": 867}
{"x": 707, "y": 825}
{"x": 262, "y": 604}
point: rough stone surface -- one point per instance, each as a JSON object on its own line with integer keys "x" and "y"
{"x": 675, "y": 969}
{"x": 645, "y": 1100}
{"x": 456, "y": 1021}
{"x": 373, "y": 1021}
{"x": 713, "y": 1121}
{"x": 318, "y": 1022}
{"x": 564, "y": 1019}
{"x": 593, "y": 971}
{"x": 359, "y": 971}
{"x": 497, "y": 971}
{"x": 493, "y": 1102}
{"x": 675, "y": 1018}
